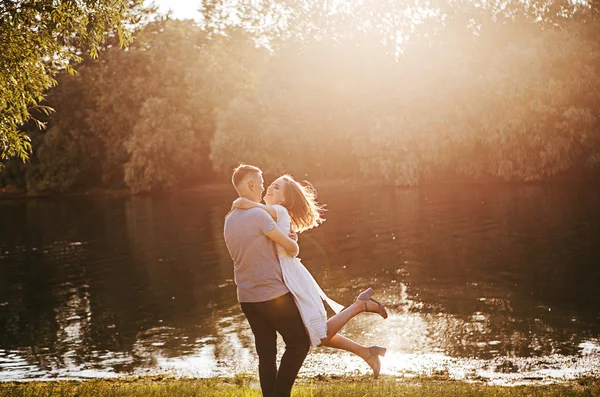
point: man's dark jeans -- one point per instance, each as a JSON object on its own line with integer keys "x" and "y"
{"x": 266, "y": 319}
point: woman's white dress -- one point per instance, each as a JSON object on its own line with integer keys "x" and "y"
{"x": 307, "y": 293}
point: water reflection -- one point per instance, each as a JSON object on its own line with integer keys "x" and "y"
{"x": 481, "y": 283}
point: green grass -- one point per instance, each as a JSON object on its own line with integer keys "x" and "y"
{"x": 245, "y": 386}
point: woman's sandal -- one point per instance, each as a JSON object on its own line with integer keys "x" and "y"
{"x": 366, "y": 296}
{"x": 373, "y": 359}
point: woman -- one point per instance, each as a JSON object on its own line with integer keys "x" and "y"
{"x": 294, "y": 207}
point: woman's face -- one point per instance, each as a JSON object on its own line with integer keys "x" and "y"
{"x": 275, "y": 192}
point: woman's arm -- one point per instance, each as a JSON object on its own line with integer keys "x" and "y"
{"x": 279, "y": 237}
{"x": 245, "y": 204}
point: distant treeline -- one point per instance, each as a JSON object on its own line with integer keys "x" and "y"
{"x": 469, "y": 93}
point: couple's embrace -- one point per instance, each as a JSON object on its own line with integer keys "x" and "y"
{"x": 276, "y": 292}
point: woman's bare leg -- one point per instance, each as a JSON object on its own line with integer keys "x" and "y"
{"x": 337, "y": 341}
{"x": 341, "y": 342}
{"x": 336, "y": 323}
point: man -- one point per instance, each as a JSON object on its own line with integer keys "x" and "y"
{"x": 251, "y": 236}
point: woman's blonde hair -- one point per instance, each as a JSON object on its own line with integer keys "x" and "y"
{"x": 300, "y": 199}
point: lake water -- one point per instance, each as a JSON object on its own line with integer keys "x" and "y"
{"x": 494, "y": 283}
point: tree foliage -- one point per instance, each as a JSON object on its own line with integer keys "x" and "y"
{"x": 473, "y": 91}
{"x": 159, "y": 133}
{"x": 142, "y": 118}
{"x": 381, "y": 90}
{"x": 39, "y": 39}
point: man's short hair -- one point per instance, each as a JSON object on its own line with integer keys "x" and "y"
{"x": 240, "y": 172}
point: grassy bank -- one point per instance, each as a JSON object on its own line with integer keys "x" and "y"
{"x": 247, "y": 387}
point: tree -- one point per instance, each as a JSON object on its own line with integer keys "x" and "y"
{"x": 467, "y": 90}
{"x": 476, "y": 92}
{"x": 41, "y": 38}
{"x": 154, "y": 104}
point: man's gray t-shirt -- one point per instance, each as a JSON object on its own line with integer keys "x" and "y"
{"x": 256, "y": 267}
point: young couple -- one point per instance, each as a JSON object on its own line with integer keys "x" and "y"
{"x": 276, "y": 292}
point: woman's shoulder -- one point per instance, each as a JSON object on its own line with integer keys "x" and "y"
{"x": 279, "y": 207}
{"x": 281, "y": 210}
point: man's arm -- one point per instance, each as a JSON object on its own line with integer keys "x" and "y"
{"x": 282, "y": 239}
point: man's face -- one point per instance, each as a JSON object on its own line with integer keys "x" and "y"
{"x": 257, "y": 187}
{"x": 262, "y": 186}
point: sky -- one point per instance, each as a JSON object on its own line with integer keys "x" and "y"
{"x": 182, "y": 9}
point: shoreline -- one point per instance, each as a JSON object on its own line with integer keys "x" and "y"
{"x": 12, "y": 193}
{"x": 252, "y": 376}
